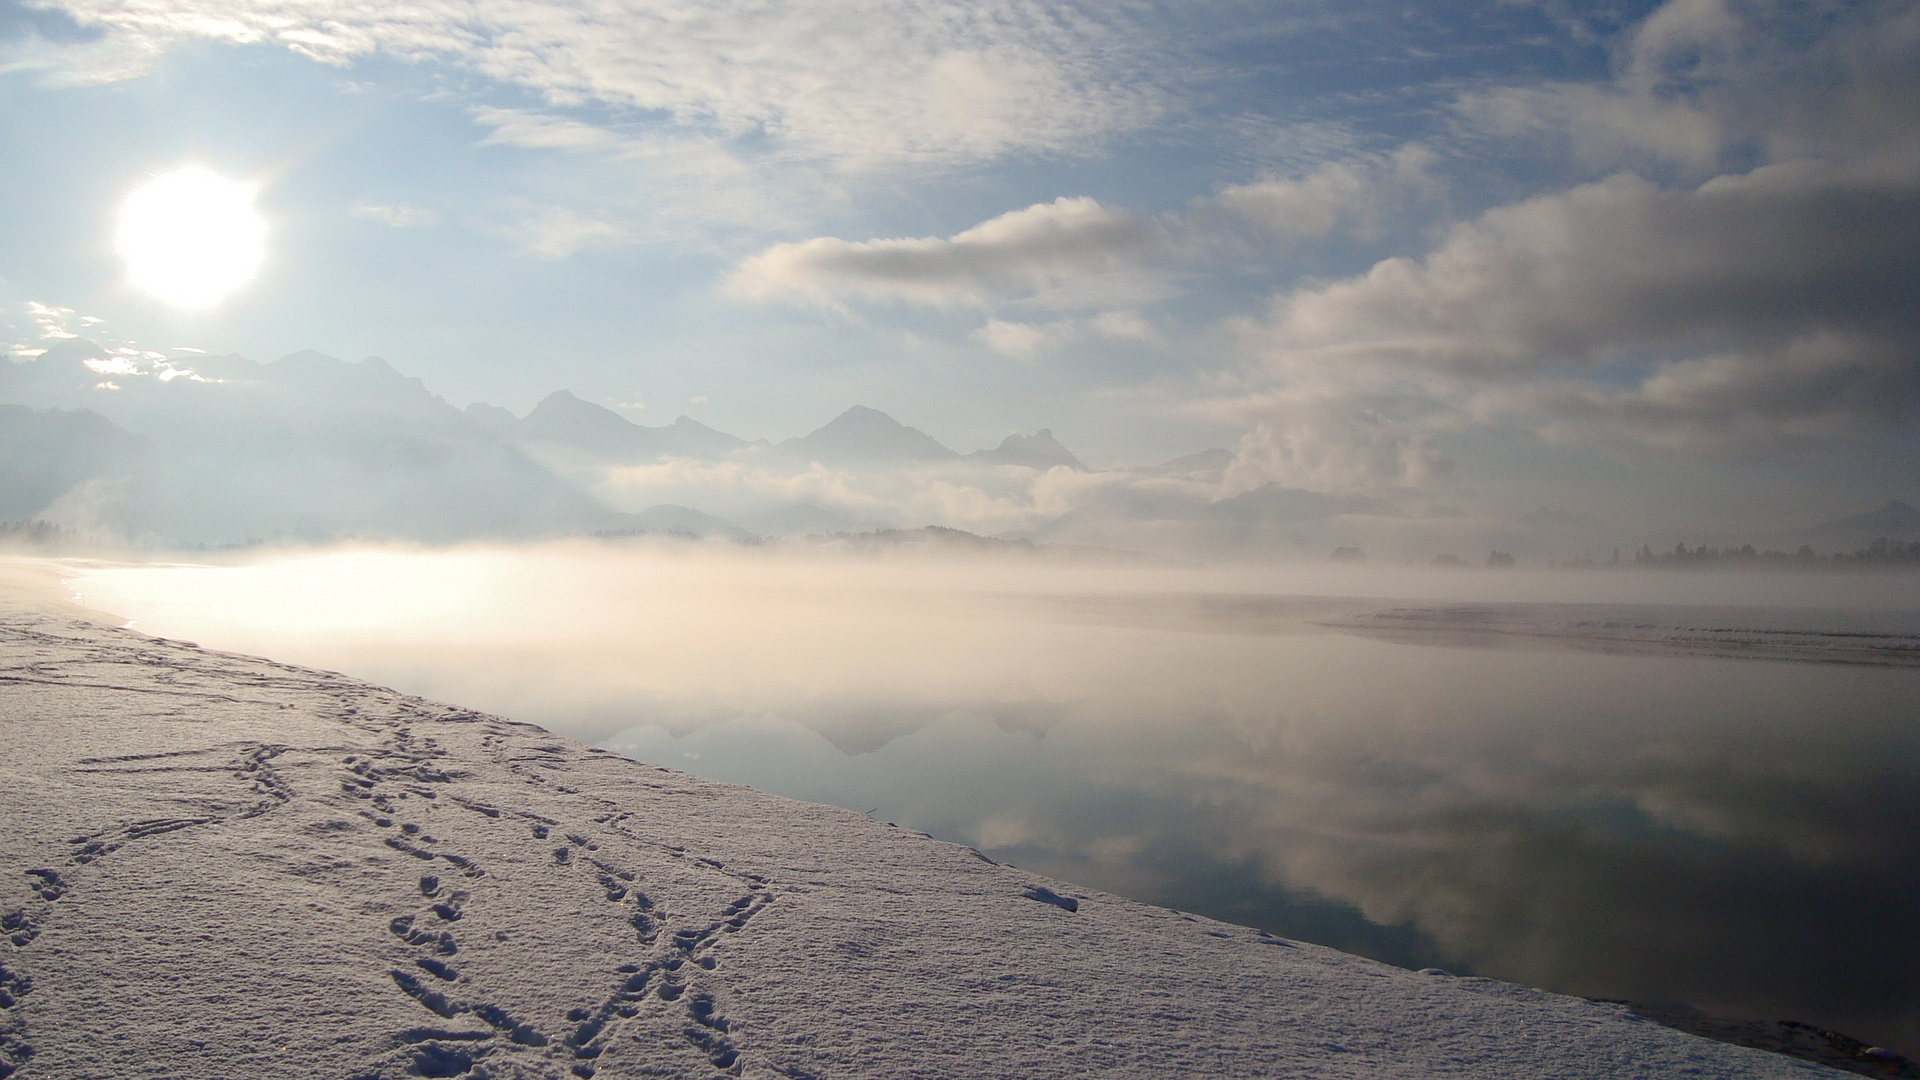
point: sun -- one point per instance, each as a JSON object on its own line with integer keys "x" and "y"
{"x": 191, "y": 237}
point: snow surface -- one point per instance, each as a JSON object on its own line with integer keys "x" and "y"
{"x": 220, "y": 866}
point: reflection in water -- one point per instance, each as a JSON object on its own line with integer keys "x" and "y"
{"x": 1733, "y": 834}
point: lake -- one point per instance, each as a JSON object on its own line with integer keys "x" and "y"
{"x": 1674, "y": 788}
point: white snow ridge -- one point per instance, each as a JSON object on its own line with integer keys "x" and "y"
{"x": 219, "y": 866}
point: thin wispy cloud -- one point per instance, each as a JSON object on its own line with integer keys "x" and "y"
{"x": 1701, "y": 85}
{"x": 395, "y": 215}
{"x": 855, "y": 80}
{"x": 555, "y": 232}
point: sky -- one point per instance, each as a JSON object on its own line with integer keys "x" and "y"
{"x": 1652, "y": 263}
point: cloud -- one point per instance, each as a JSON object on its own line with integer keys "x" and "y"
{"x": 1022, "y": 340}
{"x": 58, "y": 323}
{"x": 398, "y": 216}
{"x": 1071, "y": 252}
{"x": 752, "y": 484}
{"x": 698, "y": 157}
{"x": 1355, "y": 196}
{"x": 1602, "y": 126}
{"x": 1569, "y": 275}
{"x": 655, "y": 184}
{"x": 87, "y": 61}
{"x": 555, "y": 232}
{"x": 1756, "y": 310}
{"x": 1077, "y": 254}
{"x": 1658, "y": 108}
{"x": 517, "y": 127}
{"x": 1333, "y": 450}
{"x": 1702, "y": 84}
{"x": 853, "y": 80}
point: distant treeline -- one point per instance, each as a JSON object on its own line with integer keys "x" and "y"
{"x": 38, "y": 535}
{"x": 1883, "y": 552}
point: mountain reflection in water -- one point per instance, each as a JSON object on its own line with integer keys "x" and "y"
{"x": 1733, "y": 834}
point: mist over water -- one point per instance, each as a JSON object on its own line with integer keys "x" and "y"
{"x": 1731, "y": 833}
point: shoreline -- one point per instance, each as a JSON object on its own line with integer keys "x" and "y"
{"x": 268, "y": 868}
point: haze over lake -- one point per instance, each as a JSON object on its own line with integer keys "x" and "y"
{"x": 1631, "y": 806}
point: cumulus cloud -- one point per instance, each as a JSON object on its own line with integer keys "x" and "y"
{"x": 1753, "y": 308}
{"x": 1333, "y": 449}
{"x": 1569, "y": 275}
{"x": 852, "y": 80}
{"x": 1072, "y": 252}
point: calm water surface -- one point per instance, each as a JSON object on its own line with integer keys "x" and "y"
{"x": 1738, "y": 835}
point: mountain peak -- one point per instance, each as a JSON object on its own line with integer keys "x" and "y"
{"x": 864, "y": 436}
{"x": 492, "y": 418}
{"x": 308, "y": 368}
{"x": 561, "y": 399}
{"x": 562, "y": 420}
{"x": 688, "y": 437}
{"x": 1039, "y": 450}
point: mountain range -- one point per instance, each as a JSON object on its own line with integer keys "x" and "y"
{"x": 222, "y": 450}
{"x": 123, "y": 446}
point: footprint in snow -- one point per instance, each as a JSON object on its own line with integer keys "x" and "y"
{"x": 1048, "y": 896}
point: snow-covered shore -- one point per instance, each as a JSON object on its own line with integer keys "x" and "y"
{"x": 221, "y": 866}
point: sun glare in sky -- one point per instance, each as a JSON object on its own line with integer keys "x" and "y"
{"x": 191, "y": 237}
